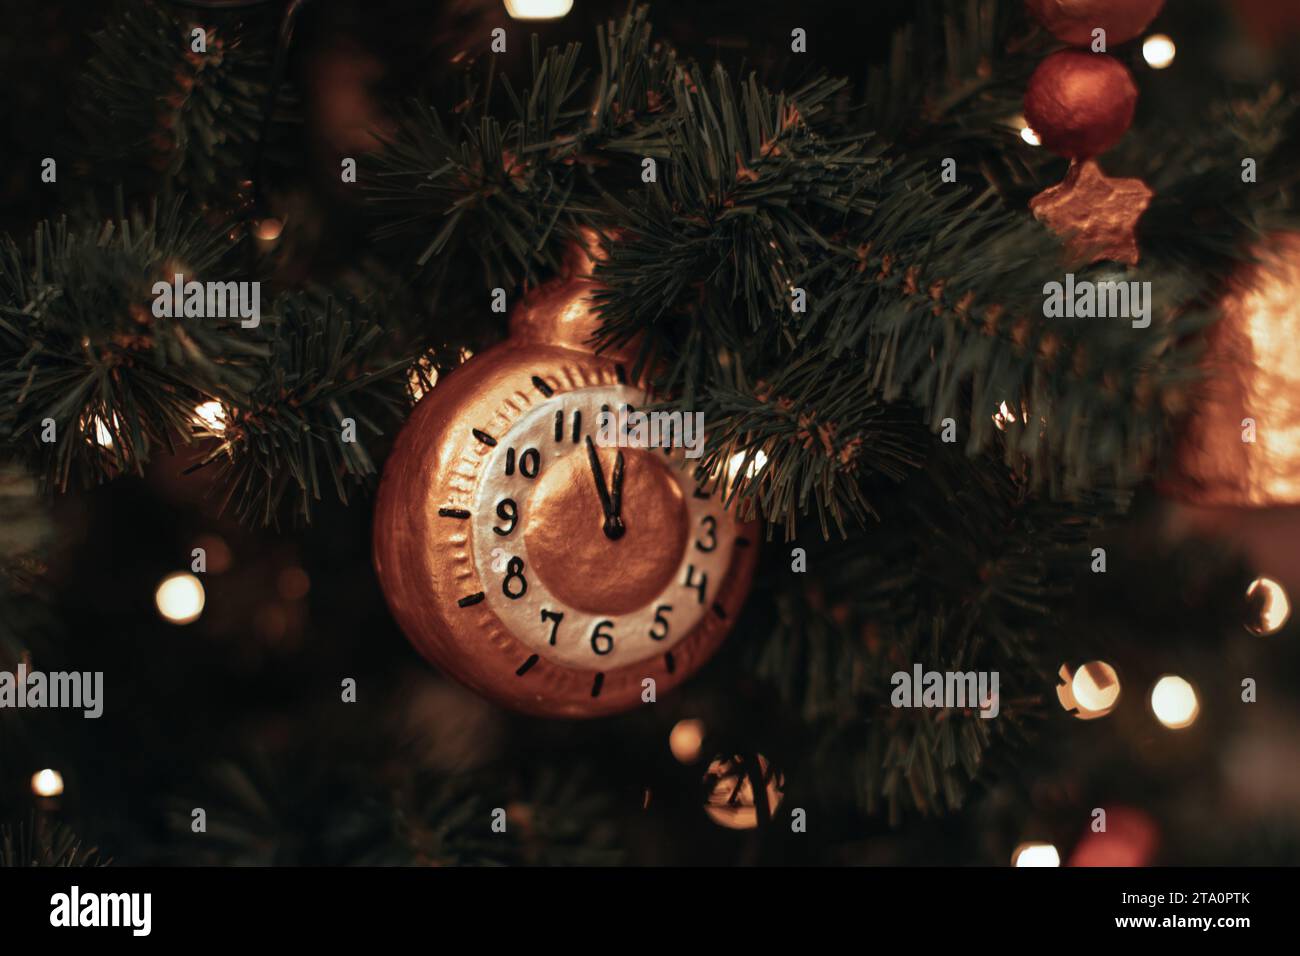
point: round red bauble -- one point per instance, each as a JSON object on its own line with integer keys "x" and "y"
{"x": 1072, "y": 21}
{"x": 1080, "y": 104}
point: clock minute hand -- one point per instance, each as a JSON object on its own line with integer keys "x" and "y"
{"x": 599, "y": 476}
{"x": 613, "y": 527}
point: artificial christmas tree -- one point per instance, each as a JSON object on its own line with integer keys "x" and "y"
{"x": 844, "y": 277}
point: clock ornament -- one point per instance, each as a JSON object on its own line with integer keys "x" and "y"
{"x": 539, "y": 566}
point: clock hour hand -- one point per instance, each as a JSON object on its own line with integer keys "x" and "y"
{"x": 613, "y": 523}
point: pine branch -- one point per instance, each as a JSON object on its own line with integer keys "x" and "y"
{"x": 945, "y": 303}
{"x": 518, "y": 190}
{"x": 749, "y": 192}
{"x": 288, "y": 436}
{"x": 263, "y": 812}
{"x": 955, "y": 80}
{"x": 936, "y": 288}
{"x": 36, "y": 843}
{"x": 804, "y": 439}
{"x": 151, "y": 103}
{"x": 963, "y": 573}
{"x": 1198, "y": 179}
{"x": 80, "y": 347}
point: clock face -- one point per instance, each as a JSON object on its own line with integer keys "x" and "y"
{"x": 595, "y": 554}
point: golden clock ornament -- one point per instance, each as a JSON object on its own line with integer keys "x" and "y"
{"x": 545, "y": 569}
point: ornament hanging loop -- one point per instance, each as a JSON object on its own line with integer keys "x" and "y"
{"x": 561, "y": 311}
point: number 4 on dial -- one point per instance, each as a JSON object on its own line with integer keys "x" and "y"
{"x": 698, "y": 586}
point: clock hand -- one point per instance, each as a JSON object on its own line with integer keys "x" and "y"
{"x": 613, "y": 527}
{"x": 614, "y": 519}
{"x": 599, "y": 476}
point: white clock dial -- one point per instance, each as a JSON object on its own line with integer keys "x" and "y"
{"x": 577, "y": 589}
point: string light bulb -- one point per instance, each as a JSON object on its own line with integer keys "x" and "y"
{"x": 180, "y": 598}
{"x": 756, "y": 462}
{"x": 1173, "y": 700}
{"x": 1090, "y": 692}
{"x": 1035, "y": 854}
{"x": 685, "y": 740}
{"x": 422, "y": 377}
{"x": 47, "y": 783}
{"x": 1027, "y": 132}
{"x": 1270, "y": 606}
{"x": 102, "y": 432}
{"x": 1096, "y": 686}
{"x": 1158, "y": 50}
{"x": 731, "y": 799}
{"x": 538, "y": 9}
{"x": 269, "y": 229}
{"x": 212, "y": 416}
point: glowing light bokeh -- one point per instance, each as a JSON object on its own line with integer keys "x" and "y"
{"x": 1158, "y": 50}
{"x": 180, "y": 598}
{"x": 538, "y": 9}
{"x": 685, "y": 740}
{"x": 47, "y": 783}
{"x": 1096, "y": 688}
{"x": 1035, "y": 854}
{"x": 1274, "y": 607}
{"x": 1173, "y": 700}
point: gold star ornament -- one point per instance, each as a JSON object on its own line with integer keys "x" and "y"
{"x": 1094, "y": 215}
